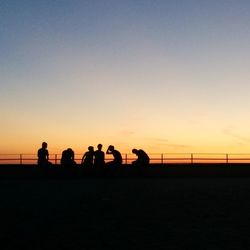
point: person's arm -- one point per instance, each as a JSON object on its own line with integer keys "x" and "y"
{"x": 83, "y": 158}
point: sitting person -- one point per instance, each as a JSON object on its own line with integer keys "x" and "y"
{"x": 88, "y": 157}
{"x": 117, "y": 161}
{"x": 43, "y": 156}
{"x": 142, "y": 158}
{"x": 68, "y": 158}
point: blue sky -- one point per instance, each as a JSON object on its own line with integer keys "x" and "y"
{"x": 162, "y": 75}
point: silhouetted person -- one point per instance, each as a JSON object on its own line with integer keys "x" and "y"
{"x": 99, "y": 157}
{"x": 65, "y": 157}
{"x": 142, "y": 158}
{"x": 43, "y": 156}
{"x": 117, "y": 161}
{"x": 88, "y": 157}
{"x": 68, "y": 158}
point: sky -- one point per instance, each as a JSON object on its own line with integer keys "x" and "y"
{"x": 168, "y": 76}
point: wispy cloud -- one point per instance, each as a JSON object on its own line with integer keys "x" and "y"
{"x": 126, "y": 132}
{"x": 168, "y": 144}
{"x": 231, "y": 133}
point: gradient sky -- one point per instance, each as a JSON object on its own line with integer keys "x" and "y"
{"x": 163, "y": 75}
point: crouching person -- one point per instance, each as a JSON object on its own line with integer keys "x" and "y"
{"x": 142, "y": 158}
{"x": 117, "y": 161}
{"x": 68, "y": 158}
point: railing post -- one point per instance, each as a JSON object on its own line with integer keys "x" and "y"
{"x": 192, "y": 158}
{"x": 21, "y": 159}
{"x": 55, "y": 159}
{"x": 227, "y": 158}
{"x": 126, "y": 159}
{"x": 162, "y": 159}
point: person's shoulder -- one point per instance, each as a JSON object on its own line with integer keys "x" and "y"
{"x": 118, "y": 152}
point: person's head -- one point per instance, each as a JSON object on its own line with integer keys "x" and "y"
{"x": 99, "y": 146}
{"x": 91, "y": 148}
{"x": 111, "y": 148}
{"x": 44, "y": 145}
{"x": 134, "y": 151}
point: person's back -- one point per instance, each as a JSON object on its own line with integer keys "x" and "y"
{"x": 43, "y": 155}
{"x": 88, "y": 157}
{"x": 117, "y": 157}
{"x": 65, "y": 157}
{"x": 117, "y": 161}
{"x": 71, "y": 155}
{"x": 99, "y": 155}
{"x": 142, "y": 157}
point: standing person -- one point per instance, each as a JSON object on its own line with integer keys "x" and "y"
{"x": 142, "y": 158}
{"x": 88, "y": 157}
{"x": 99, "y": 160}
{"x": 43, "y": 156}
{"x": 117, "y": 161}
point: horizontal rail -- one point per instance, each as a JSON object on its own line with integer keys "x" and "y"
{"x": 163, "y": 158}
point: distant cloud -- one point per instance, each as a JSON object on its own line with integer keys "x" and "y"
{"x": 165, "y": 142}
{"x": 127, "y": 132}
{"x": 231, "y": 133}
{"x": 178, "y": 145}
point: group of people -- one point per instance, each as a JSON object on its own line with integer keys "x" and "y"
{"x": 92, "y": 158}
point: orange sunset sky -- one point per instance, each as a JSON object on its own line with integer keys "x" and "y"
{"x": 165, "y": 76}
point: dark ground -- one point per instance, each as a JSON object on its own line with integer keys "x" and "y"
{"x": 172, "y": 212}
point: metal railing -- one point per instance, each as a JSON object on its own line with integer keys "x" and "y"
{"x": 161, "y": 158}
